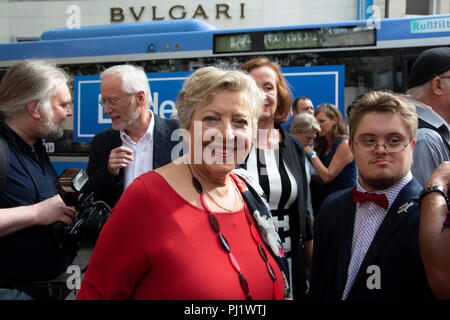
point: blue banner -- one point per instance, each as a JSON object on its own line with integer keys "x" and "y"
{"x": 320, "y": 83}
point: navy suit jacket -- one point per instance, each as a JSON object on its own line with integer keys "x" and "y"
{"x": 394, "y": 249}
{"x": 109, "y": 188}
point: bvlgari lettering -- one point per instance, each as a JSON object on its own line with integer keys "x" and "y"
{"x": 176, "y": 12}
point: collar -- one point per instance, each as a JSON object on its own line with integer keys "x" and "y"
{"x": 391, "y": 192}
{"x": 24, "y": 146}
{"x": 148, "y": 134}
{"x": 426, "y": 113}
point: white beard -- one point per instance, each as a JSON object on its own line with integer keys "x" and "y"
{"x": 49, "y": 130}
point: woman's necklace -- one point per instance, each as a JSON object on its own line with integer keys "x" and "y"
{"x": 218, "y": 204}
{"x": 216, "y": 226}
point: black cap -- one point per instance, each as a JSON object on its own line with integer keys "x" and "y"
{"x": 431, "y": 63}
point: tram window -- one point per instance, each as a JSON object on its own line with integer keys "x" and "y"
{"x": 330, "y": 37}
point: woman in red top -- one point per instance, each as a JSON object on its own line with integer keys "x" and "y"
{"x": 196, "y": 228}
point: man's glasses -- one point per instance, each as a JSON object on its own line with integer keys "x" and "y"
{"x": 391, "y": 145}
{"x": 113, "y": 102}
{"x": 309, "y": 138}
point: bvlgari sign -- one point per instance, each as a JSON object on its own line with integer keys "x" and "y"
{"x": 219, "y": 11}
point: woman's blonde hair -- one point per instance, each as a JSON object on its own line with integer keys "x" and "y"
{"x": 200, "y": 88}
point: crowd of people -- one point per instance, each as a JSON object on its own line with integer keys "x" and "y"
{"x": 247, "y": 209}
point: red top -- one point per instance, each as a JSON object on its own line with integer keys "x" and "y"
{"x": 156, "y": 245}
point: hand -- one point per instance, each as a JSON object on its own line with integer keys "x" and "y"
{"x": 308, "y": 150}
{"x": 119, "y": 158}
{"x": 52, "y": 210}
{"x": 441, "y": 176}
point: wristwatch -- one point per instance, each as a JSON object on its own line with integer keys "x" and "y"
{"x": 439, "y": 189}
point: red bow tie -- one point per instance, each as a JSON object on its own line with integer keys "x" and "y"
{"x": 380, "y": 198}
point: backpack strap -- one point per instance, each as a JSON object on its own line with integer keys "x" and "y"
{"x": 424, "y": 124}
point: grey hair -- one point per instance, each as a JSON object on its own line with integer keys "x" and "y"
{"x": 133, "y": 78}
{"x": 200, "y": 88}
{"x": 419, "y": 91}
{"x": 304, "y": 122}
{"x": 28, "y": 81}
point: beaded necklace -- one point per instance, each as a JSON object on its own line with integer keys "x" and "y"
{"x": 253, "y": 231}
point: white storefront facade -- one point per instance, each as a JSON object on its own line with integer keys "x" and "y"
{"x": 26, "y": 20}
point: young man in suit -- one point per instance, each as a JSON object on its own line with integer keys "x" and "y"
{"x": 138, "y": 141}
{"x": 366, "y": 239}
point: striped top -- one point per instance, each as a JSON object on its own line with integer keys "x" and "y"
{"x": 279, "y": 185}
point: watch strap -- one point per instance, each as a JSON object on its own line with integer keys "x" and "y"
{"x": 439, "y": 189}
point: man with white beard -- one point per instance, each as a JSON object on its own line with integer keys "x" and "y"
{"x": 34, "y": 102}
{"x": 139, "y": 140}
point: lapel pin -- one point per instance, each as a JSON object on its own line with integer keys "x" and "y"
{"x": 404, "y": 207}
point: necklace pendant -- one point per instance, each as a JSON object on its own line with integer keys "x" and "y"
{"x": 197, "y": 185}
{"x": 214, "y": 222}
{"x": 248, "y": 215}
{"x": 254, "y": 233}
{"x": 262, "y": 252}
{"x": 244, "y": 284}
{"x": 234, "y": 262}
{"x": 224, "y": 242}
{"x": 271, "y": 272}
{"x": 205, "y": 202}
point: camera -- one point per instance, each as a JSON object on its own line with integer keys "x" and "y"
{"x": 92, "y": 215}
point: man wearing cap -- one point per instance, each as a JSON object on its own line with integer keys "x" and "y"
{"x": 429, "y": 88}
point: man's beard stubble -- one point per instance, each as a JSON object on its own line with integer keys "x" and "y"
{"x": 379, "y": 183}
{"x": 49, "y": 130}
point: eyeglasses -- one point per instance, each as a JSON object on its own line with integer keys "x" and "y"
{"x": 391, "y": 145}
{"x": 309, "y": 138}
{"x": 113, "y": 102}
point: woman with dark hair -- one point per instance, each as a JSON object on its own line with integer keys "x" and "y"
{"x": 277, "y": 162}
{"x": 335, "y": 164}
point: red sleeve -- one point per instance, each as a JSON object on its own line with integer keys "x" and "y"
{"x": 120, "y": 256}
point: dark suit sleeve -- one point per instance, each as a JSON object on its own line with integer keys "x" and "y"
{"x": 318, "y": 264}
{"x": 301, "y": 159}
{"x": 104, "y": 186}
{"x": 162, "y": 142}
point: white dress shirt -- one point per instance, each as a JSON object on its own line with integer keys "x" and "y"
{"x": 142, "y": 153}
{"x": 368, "y": 218}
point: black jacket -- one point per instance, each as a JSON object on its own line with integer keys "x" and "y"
{"x": 109, "y": 188}
{"x": 394, "y": 250}
{"x": 292, "y": 151}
